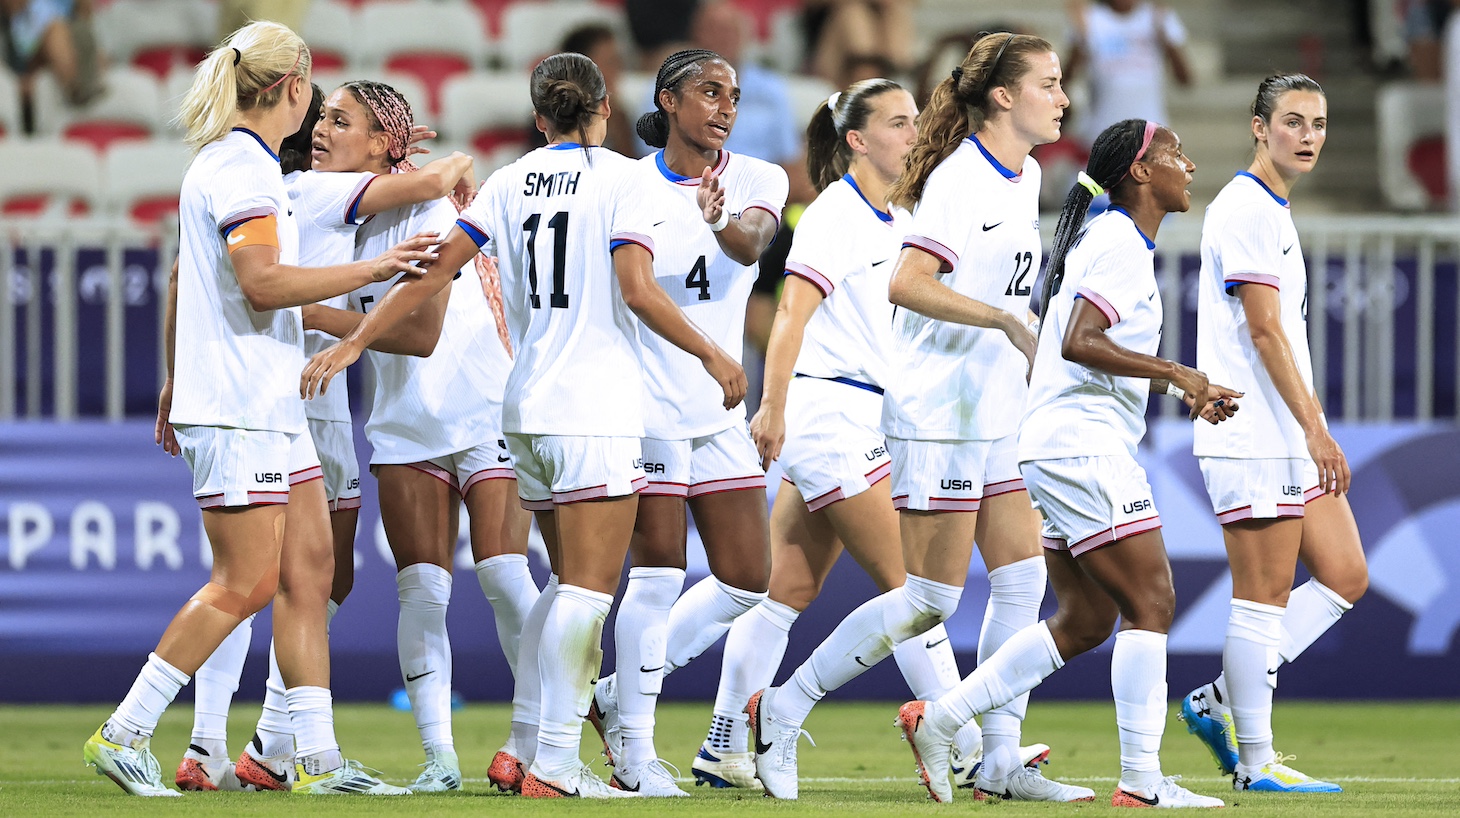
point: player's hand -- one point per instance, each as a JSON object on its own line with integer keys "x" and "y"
{"x": 1023, "y": 339}
{"x": 1333, "y": 471}
{"x": 163, "y": 433}
{"x": 710, "y": 197}
{"x": 419, "y": 133}
{"x": 465, "y": 189}
{"x": 1197, "y": 388}
{"x": 326, "y": 364}
{"x": 768, "y": 430}
{"x": 402, "y": 257}
{"x": 1223, "y": 404}
{"x": 728, "y": 374}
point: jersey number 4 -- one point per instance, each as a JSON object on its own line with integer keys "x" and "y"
{"x": 1023, "y": 262}
{"x": 559, "y": 225}
{"x": 699, "y": 279}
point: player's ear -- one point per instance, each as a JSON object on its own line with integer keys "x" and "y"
{"x": 856, "y": 142}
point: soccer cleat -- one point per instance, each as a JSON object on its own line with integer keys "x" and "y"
{"x": 603, "y": 715}
{"x": 506, "y": 772}
{"x": 931, "y": 750}
{"x": 721, "y": 770}
{"x": 442, "y": 773}
{"x": 649, "y": 780}
{"x": 1275, "y": 776}
{"x": 775, "y": 760}
{"x": 1029, "y": 784}
{"x": 264, "y": 773}
{"x": 1210, "y": 720}
{"x": 1165, "y": 795}
{"x": 348, "y": 779}
{"x": 581, "y": 784}
{"x": 133, "y": 768}
{"x": 965, "y": 769}
{"x": 199, "y": 772}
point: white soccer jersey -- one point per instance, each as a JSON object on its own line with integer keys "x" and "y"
{"x": 325, "y": 206}
{"x": 953, "y": 382}
{"x": 1248, "y": 238}
{"x": 235, "y": 367}
{"x": 452, "y": 400}
{"x": 1075, "y": 411}
{"x": 551, "y": 219}
{"x": 712, "y": 289}
{"x": 847, "y": 248}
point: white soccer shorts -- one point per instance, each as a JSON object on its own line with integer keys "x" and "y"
{"x": 952, "y": 475}
{"x": 334, "y": 442}
{"x": 246, "y": 467}
{"x": 724, "y": 461}
{"x": 1259, "y": 489}
{"x": 1088, "y": 502}
{"x": 834, "y": 447}
{"x": 462, "y": 470}
{"x": 561, "y": 469}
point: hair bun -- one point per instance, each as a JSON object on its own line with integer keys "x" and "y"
{"x": 653, "y": 128}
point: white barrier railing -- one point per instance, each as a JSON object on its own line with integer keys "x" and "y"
{"x": 1351, "y": 262}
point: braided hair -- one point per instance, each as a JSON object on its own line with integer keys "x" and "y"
{"x": 1115, "y": 150}
{"x": 653, "y": 127}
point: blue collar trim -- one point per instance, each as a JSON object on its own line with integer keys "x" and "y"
{"x": 564, "y": 146}
{"x": 1003, "y": 171}
{"x": 1150, "y": 245}
{"x": 886, "y": 217}
{"x": 1276, "y": 198}
{"x": 261, "y": 142}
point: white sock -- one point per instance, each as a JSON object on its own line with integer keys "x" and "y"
{"x": 274, "y": 736}
{"x": 1015, "y": 593}
{"x": 527, "y": 692}
{"x": 1025, "y": 660}
{"x": 568, "y": 660}
{"x": 508, "y": 585}
{"x": 213, "y": 687}
{"x": 753, "y": 653}
{"x": 1312, "y": 609}
{"x": 312, "y": 714}
{"x": 701, "y": 616}
{"x": 927, "y": 664}
{"x": 137, "y": 716}
{"x": 863, "y": 639}
{"x": 1138, "y": 681}
{"x": 424, "y": 649}
{"x": 1250, "y": 662}
{"x": 640, "y": 635}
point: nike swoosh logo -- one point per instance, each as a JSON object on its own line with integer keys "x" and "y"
{"x": 290, "y": 212}
{"x": 1286, "y": 249}
{"x": 1151, "y": 297}
{"x": 501, "y": 459}
{"x": 860, "y": 662}
{"x": 656, "y": 224}
{"x": 235, "y": 238}
{"x": 410, "y": 678}
{"x": 643, "y": 669}
{"x": 883, "y": 261}
{"x": 760, "y": 748}
{"x": 932, "y": 645}
{"x": 622, "y": 786}
{"x": 1150, "y": 802}
{"x": 988, "y": 227}
{"x": 1272, "y": 672}
{"x": 281, "y": 778}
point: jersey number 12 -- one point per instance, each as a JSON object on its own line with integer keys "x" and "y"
{"x": 1022, "y": 264}
{"x": 559, "y": 225}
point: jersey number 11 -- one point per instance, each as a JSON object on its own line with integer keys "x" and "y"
{"x": 559, "y": 225}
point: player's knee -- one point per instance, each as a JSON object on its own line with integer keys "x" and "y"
{"x": 1153, "y": 610}
{"x": 932, "y": 603}
{"x": 1351, "y": 586}
{"x": 240, "y": 602}
{"x": 1080, "y": 631}
{"x": 798, "y": 593}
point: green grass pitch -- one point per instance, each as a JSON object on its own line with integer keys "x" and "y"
{"x": 1393, "y": 759}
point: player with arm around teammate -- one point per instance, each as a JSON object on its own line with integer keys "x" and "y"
{"x": 1276, "y": 477}
{"x": 1095, "y": 367}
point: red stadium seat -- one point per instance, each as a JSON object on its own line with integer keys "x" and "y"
{"x": 101, "y": 134}
{"x": 48, "y": 177}
{"x": 430, "y": 41}
{"x": 142, "y": 180}
{"x": 157, "y": 35}
{"x": 130, "y": 109}
{"x": 433, "y": 70}
{"x": 1426, "y": 160}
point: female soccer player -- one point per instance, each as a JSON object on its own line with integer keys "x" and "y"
{"x": 1276, "y": 477}
{"x": 237, "y": 421}
{"x": 955, "y": 387}
{"x": 723, "y": 211}
{"x": 1095, "y": 367}
{"x": 570, "y": 224}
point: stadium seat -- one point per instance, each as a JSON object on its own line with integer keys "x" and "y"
{"x": 431, "y": 41}
{"x": 330, "y": 29}
{"x": 487, "y": 110}
{"x": 48, "y": 177}
{"x": 10, "y": 121}
{"x": 143, "y": 179}
{"x": 1409, "y": 113}
{"x": 533, "y": 30}
{"x": 157, "y": 35}
{"x": 131, "y": 108}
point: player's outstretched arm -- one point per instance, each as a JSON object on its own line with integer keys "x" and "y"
{"x": 269, "y": 285}
{"x": 915, "y": 286}
{"x": 634, "y": 267}
{"x": 416, "y": 335}
{"x": 433, "y": 181}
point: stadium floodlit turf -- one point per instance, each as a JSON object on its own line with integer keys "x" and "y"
{"x": 1392, "y": 760}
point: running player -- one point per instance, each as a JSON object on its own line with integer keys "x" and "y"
{"x": 955, "y": 385}
{"x": 237, "y": 421}
{"x": 571, "y": 225}
{"x": 1087, "y": 401}
{"x": 724, "y": 210}
{"x": 1276, "y": 477}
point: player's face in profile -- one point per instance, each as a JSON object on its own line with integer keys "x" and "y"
{"x": 706, "y": 107}
{"x": 1170, "y": 172}
{"x": 1039, "y": 99}
{"x": 1297, "y": 131}
{"x": 342, "y": 140}
{"x": 891, "y": 131}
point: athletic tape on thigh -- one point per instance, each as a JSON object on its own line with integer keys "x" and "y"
{"x": 233, "y": 603}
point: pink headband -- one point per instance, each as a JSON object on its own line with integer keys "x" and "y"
{"x": 1146, "y": 140}
{"x": 290, "y": 72}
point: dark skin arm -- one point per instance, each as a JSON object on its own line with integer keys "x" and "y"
{"x": 745, "y": 237}
{"x": 1085, "y": 343}
{"x": 417, "y": 335}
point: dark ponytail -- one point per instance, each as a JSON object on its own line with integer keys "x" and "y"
{"x": 653, "y": 127}
{"x": 827, "y": 153}
{"x": 294, "y": 151}
{"x": 568, "y": 91}
{"x": 1114, "y": 151}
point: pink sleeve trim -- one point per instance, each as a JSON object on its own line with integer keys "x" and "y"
{"x": 352, "y": 210}
{"x": 817, "y": 280}
{"x": 1252, "y": 278}
{"x": 928, "y": 245}
{"x": 637, "y": 238}
{"x": 1111, "y": 313}
{"x": 761, "y": 204}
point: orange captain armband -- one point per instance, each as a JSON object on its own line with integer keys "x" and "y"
{"x": 257, "y": 230}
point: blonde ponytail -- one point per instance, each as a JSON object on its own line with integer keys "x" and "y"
{"x": 247, "y": 71}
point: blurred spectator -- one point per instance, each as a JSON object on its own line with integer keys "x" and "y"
{"x": 659, "y": 27}
{"x": 599, "y": 43}
{"x": 235, "y": 14}
{"x": 1126, "y": 45}
{"x": 1424, "y": 21}
{"x": 54, "y": 35}
{"x": 765, "y": 126}
{"x": 843, "y": 35}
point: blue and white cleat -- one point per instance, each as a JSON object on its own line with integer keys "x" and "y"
{"x": 1275, "y": 776}
{"x": 1210, "y": 720}
{"x": 721, "y": 770}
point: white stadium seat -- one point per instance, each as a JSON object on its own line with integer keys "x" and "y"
{"x": 486, "y": 110}
{"x": 130, "y": 108}
{"x": 48, "y": 177}
{"x": 142, "y": 179}
{"x": 533, "y": 30}
{"x": 433, "y": 41}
